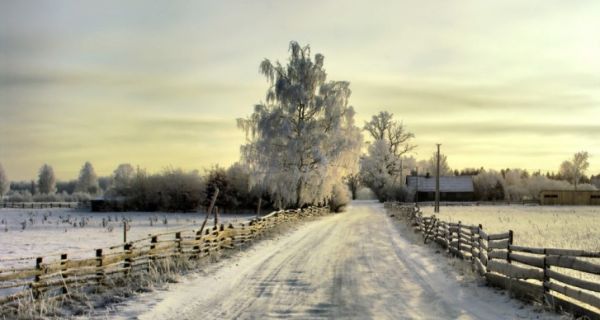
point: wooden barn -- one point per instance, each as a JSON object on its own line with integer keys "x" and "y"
{"x": 570, "y": 197}
{"x": 452, "y": 188}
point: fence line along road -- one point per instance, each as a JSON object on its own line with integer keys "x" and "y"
{"x": 544, "y": 275}
{"x": 50, "y": 277}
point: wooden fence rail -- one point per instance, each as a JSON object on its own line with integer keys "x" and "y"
{"x": 568, "y": 280}
{"x": 55, "y": 276}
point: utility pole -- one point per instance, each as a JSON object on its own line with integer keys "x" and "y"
{"x": 401, "y": 181}
{"x": 437, "y": 181}
{"x": 417, "y": 193}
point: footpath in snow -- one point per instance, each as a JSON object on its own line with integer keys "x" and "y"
{"x": 356, "y": 264}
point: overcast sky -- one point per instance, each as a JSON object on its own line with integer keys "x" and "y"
{"x": 502, "y": 84}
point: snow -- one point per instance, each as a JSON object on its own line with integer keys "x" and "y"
{"x": 357, "y": 264}
{"x": 568, "y": 227}
{"x": 56, "y": 234}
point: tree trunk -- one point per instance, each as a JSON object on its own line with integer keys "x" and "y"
{"x": 299, "y": 193}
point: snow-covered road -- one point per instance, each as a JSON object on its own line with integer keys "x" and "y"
{"x": 355, "y": 264}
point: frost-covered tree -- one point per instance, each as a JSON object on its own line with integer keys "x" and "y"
{"x": 340, "y": 197}
{"x": 383, "y": 127}
{"x": 88, "y": 180}
{"x": 46, "y": 180}
{"x": 4, "y": 183}
{"x": 379, "y": 171}
{"x": 431, "y": 165}
{"x": 122, "y": 178}
{"x": 384, "y": 167}
{"x": 489, "y": 185}
{"x": 353, "y": 182}
{"x": 302, "y": 140}
{"x": 575, "y": 168}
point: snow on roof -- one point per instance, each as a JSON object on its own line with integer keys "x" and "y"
{"x": 447, "y": 183}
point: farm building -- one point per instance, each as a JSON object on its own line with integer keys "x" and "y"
{"x": 570, "y": 197}
{"x": 458, "y": 188}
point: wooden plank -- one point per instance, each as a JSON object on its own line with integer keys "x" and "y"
{"x": 573, "y": 263}
{"x": 527, "y": 249}
{"x": 483, "y": 235}
{"x": 498, "y": 236}
{"x": 534, "y": 261}
{"x": 521, "y": 289}
{"x": 12, "y": 284}
{"x": 574, "y": 293}
{"x": 81, "y": 263}
{"x": 557, "y": 252}
{"x": 498, "y": 254}
{"x": 15, "y": 296}
{"x": 576, "y": 253}
{"x": 576, "y": 282}
{"x": 464, "y": 238}
{"x": 19, "y": 275}
{"x": 502, "y": 244}
{"x": 479, "y": 266}
{"x": 513, "y": 271}
{"x": 483, "y": 245}
{"x": 577, "y": 311}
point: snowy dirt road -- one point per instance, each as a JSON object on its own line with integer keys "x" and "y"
{"x": 356, "y": 264}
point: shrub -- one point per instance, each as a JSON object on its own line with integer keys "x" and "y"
{"x": 340, "y": 197}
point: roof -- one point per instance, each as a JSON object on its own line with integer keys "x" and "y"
{"x": 447, "y": 183}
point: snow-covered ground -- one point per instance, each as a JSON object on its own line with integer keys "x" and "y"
{"x": 50, "y": 232}
{"x": 358, "y": 264}
{"x": 569, "y": 227}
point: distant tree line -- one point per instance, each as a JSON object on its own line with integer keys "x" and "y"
{"x": 136, "y": 189}
{"x": 384, "y": 168}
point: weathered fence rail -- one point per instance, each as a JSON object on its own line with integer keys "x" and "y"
{"x": 39, "y": 205}
{"x": 56, "y": 275}
{"x": 568, "y": 280}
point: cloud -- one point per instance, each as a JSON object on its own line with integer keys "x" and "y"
{"x": 473, "y": 130}
{"x": 160, "y": 84}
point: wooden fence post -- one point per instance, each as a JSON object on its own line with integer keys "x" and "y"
{"x": 127, "y": 261}
{"x": 99, "y": 265}
{"x": 510, "y": 242}
{"x": 479, "y": 242}
{"x": 448, "y": 236}
{"x": 124, "y": 231}
{"x": 197, "y": 240}
{"x": 473, "y": 245}
{"x": 458, "y": 236}
{"x": 36, "y": 280}
{"x": 153, "y": 242}
{"x": 212, "y": 204}
{"x": 178, "y": 241}
{"x": 63, "y": 269}
{"x": 546, "y": 277}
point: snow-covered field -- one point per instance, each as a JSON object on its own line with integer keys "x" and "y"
{"x": 50, "y": 232}
{"x": 568, "y": 227}
{"x": 358, "y": 264}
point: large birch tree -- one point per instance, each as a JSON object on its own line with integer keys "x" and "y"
{"x": 302, "y": 140}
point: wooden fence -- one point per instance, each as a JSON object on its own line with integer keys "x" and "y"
{"x": 543, "y": 275}
{"x": 56, "y": 275}
{"x": 39, "y": 205}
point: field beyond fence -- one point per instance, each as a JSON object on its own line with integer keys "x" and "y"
{"x": 55, "y": 276}
{"x": 40, "y": 205}
{"x": 568, "y": 280}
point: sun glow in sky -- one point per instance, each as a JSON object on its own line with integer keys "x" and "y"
{"x": 504, "y": 84}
